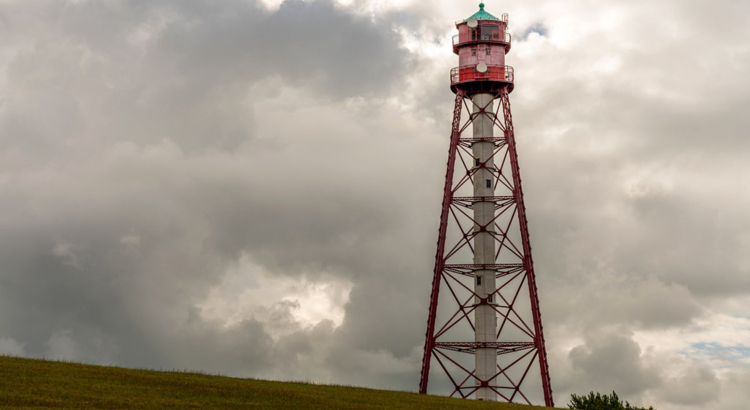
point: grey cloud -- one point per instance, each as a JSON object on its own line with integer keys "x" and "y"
{"x": 182, "y": 70}
{"x": 734, "y": 392}
{"x": 10, "y": 347}
{"x": 608, "y": 361}
{"x": 537, "y": 28}
{"x": 96, "y": 298}
{"x": 613, "y": 362}
{"x": 697, "y": 386}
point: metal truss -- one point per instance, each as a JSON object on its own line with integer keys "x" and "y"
{"x": 515, "y": 299}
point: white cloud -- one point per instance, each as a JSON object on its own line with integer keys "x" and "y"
{"x": 286, "y": 304}
{"x": 710, "y": 340}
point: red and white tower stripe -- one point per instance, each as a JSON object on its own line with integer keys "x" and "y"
{"x": 483, "y": 266}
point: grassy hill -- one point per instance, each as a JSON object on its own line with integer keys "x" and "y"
{"x": 28, "y": 383}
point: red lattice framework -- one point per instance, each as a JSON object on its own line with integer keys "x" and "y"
{"x": 520, "y": 339}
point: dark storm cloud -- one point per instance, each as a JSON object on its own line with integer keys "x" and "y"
{"x": 306, "y": 43}
{"x": 114, "y": 231}
{"x": 181, "y": 70}
{"x": 310, "y": 43}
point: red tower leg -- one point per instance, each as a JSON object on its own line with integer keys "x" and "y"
{"x": 439, "y": 261}
{"x": 528, "y": 261}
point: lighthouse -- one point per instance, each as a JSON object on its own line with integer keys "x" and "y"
{"x": 483, "y": 265}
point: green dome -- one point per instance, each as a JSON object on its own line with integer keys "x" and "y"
{"x": 482, "y": 15}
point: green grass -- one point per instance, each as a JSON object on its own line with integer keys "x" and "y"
{"x": 28, "y": 383}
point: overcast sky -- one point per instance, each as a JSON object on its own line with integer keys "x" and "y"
{"x": 252, "y": 187}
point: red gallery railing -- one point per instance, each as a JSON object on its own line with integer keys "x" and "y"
{"x": 496, "y": 38}
{"x": 470, "y": 73}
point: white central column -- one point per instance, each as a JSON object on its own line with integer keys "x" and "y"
{"x": 484, "y": 245}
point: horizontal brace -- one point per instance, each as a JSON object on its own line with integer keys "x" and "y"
{"x": 490, "y": 139}
{"x": 471, "y": 350}
{"x": 484, "y": 198}
{"x": 500, "y": 269}
{"x": 485, "y": 344}
{"x": 491, "y": 385}
{"x": 486, "y": 266}
{"x": 470, "y": 347}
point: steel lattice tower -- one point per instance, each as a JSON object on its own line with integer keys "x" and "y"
{"x": 483, "y": 265}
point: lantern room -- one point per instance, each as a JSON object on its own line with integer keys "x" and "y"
{"x": 481, "y": 45}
